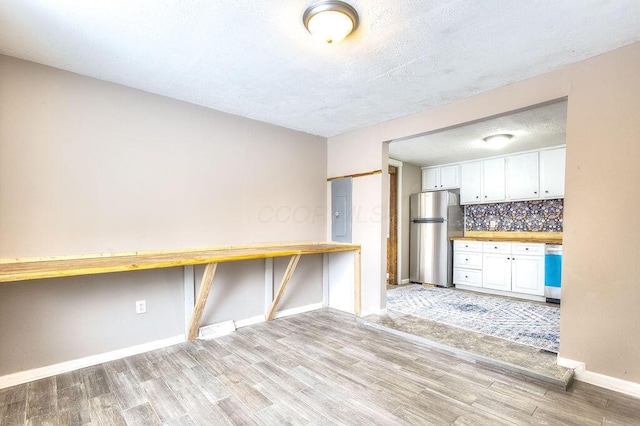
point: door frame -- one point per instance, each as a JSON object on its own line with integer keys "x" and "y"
{"x": 399, "y": 220}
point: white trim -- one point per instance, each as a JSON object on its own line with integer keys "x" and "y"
{"x": 325, "y": 279}
{"x": 298, "y": 310}
{"x": 216, "y": 330}
{"x": 597, "y": 379}
{"x": 405, "y": 281}
{"x": 250, "y": 321}
{"x": 189, "y": 295}
{"x": 209, "y": 331}
{"x": 64, "y": 367}
{"x": 227, "y": 327}
{"x": 268, "y": 283}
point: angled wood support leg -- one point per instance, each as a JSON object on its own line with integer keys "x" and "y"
{"x": 285, "y": 280}
{"x": 201, "y": 301}
{"x": 356, "y": 282}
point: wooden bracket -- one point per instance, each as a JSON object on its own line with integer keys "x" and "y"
{"x": 285, "y": 280}
{"x": 201, "y": 301}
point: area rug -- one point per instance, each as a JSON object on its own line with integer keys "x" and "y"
{"x": 521, "y": 322}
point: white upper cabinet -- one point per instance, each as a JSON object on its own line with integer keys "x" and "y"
{"x": 552, "y": 166}
{"x": 471, "y": 182}
{"x": 431, "y": 179}
{"x": 493, "y": 180}
{"x": 450, "y": 176}
{"x": 444, "y": 177}
{"x": 522, "y": 176}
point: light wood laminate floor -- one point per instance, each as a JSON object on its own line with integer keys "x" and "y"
{"x": 317, "y": 368}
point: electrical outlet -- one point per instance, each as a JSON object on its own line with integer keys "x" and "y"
{"x": 141, "y": 306}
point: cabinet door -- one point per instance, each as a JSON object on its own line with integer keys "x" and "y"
{"x": 552, "y": 165}
{"x": 528, "y": 275}
{"x": 431, "y": 179}
{"x": 470, "y": 182}
{"x": 496, "y": 271}
{"x": 450, "y": 177}
{"x": 493, "y": 180}
{"x": 522, "y": 176}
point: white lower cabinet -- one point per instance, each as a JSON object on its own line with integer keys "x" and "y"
{"x": 527, "y": 275}
{"x": 496, "y": 271}
{"x": 501, "y": 267}
{"x": 469, "y": 277}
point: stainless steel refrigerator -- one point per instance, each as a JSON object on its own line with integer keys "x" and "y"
{"x": 435, "y": 218}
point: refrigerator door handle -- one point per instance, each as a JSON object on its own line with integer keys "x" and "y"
{"x": 429, "y": 220}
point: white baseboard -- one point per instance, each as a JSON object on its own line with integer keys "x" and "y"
{"x": 597, "y": 379}
{"x": 250, "y": 321}
{"x": 405, "y": 281}
{"x": 299, "y": 310}
{"x": 227, "y": 327}
{"x": 216, "y": 330}
{"x": 64, "y": 367}
{"x": 209, "y": 331}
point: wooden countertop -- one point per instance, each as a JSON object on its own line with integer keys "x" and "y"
{"x": 21, "y": 269}
{"x": 515, "y": 237}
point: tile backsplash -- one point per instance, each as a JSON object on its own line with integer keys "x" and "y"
{"x": 521, "y": 216}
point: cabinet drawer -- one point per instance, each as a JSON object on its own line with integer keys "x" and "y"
{"x": 467, "y": 277}
{"x": 467, "y": 260}
{"x": 493, "y": 247}
{"x": 467, "y": 245}
{"x": 528, "y": 248}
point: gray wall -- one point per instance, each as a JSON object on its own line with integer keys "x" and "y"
{"x": 89, "y": 167}
{"x": 411, "y": 183}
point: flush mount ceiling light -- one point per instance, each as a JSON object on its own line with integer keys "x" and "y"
{"x": 331, "y": 20}
{"x": 497, "y": 141}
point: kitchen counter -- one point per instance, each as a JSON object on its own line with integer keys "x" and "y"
{"x": 513, "y": 237}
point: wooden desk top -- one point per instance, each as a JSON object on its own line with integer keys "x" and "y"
{"x": 22, "y": 269}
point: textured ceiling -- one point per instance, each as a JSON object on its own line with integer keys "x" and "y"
{"x": 254, "y": 58}
{"x": 531, "y": 129}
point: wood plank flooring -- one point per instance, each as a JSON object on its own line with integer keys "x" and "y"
{"x": 317, "y": 368}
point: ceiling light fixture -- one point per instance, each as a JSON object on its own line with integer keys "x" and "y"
{"x": 331, "y": 20}
{"x": 498, "y": 141}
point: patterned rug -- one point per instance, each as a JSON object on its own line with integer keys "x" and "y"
{"x": 521, "y": 322}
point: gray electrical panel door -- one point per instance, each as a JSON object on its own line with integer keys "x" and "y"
{"x": 341, "y": 210}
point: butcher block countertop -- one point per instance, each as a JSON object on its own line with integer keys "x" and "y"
{"x": 514, "y": 237}
{"x": 67, "y": 266}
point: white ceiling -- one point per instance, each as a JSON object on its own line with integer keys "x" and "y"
{"x": 534, "y": 128}
{"x": 254, "y": 58}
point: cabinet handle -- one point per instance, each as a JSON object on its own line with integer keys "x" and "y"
{"x": 527, "y": 248}
{"x": 546, "y": 192}
{"x": 466, "y": 276}
{"x": 508, "y": 258}
{"x": 466, "y": 260}
{"x": 485, "y": 196}
{"x": 535, "y": 192}
{"x": 440, "y": 186}
{"x": 496, "y": 247}
{"x": 477, "y": 196}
